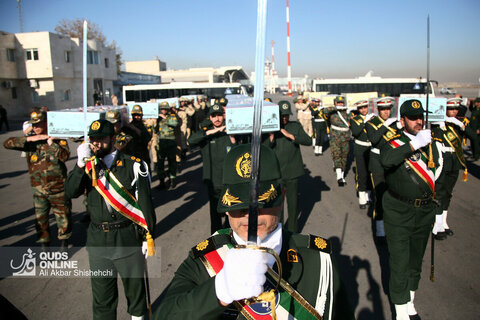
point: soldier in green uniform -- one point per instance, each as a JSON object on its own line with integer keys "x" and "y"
{"x": 167, "y": 147}
{"x": 142, "y": 136}
{"x": 215, "y": 278}
{"x": 380, "y": 129}
{"x": 215, "y": 144}
{"x": 123, "y": 134}
{"x": 339, "y": 137}
{"x": 451, "y": 134}
{"x": 475, "y": 124}
{"x": 114, "y": 236}
{"x": 319, "y": 125}
{"x": 286, "y": 144}
{"x": 409, "y": 204}
{"x": 361, "y": 150}
{"x": 46, "y": 157}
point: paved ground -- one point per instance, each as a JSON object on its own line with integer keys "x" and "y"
{"x": 182, "y": 216}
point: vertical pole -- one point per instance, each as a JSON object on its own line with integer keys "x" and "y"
{"x": 428, "y": 66}
{"x": 85, "y": 32}
{"x": 273, "y": 58}
{"x": 289, "y": 67}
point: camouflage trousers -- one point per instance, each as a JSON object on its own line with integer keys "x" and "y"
{"x": 339, "y": 146}
{"x": 61, "y": 208}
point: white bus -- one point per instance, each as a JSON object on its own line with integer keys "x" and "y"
{"x": 146, "y": 92}
{"x": 394, "y": 87}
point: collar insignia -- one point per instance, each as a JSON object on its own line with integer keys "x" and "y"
{"x": 292, "y": 255}
{"x": 202, "y": 245}
{"x": 268, "y": 195}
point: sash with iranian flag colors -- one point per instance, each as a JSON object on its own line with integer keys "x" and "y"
{"x": 289, "y": 303}
{"x": 116, "y": 195}
{"x": 419, "y": 163}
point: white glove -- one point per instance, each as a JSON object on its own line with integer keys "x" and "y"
{"x": 242, "y": 276}
{"x": 389, "y": 121}
{"x": 83, "y": 151}
{"x": 438, "y": 226}
{"x": 145, "y": 249}
{"x": 369, "y": 116}
{"x": 455, "y": 121}
{"x": 423, "y": 138}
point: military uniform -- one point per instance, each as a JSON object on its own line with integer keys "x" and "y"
{"x": 291, "y": 162}
{"x": 319, "y": 126}
{"x": 304, "y": 115}
{"x": 475, "y": 124}
{"x": 46, "y": 166}
{"x": 214, "y": 148}
{"x": 140, "y": 142}
{"x": 339, "y": 139}
{"x": 181, "y": 133}
{"x": 167, "y": 147}
{"x": 199, "y": 288}
{"x": 113, "y": 241}
{"x": 409, "y": 208}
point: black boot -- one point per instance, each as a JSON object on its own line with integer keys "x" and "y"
{"x": 45, "y": 246}
{"x": 173, "y": 184}
{"x": 161, "y": 186}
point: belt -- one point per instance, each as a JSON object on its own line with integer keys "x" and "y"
{"x": 375, "y": 150}
{"x": 417, "y": 203}
{"x": 319, "y": 120}
{"x": 334, "y": 127}
{"x": 363, "y": 143}
{"x": 107, "y": 226}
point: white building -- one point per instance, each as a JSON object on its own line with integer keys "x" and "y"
{"x": 45, "y": 69}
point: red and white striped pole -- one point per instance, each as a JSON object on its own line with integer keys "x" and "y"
{"x": 289, "y": 67}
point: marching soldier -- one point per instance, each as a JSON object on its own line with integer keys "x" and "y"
{"x": 180, "y": 132}
{"x": 215, "y": 144}
{"x": 120, "y": 231}
{"x": 361, "y": 150}
{"x": 319, "y": 126}
{"x": 167, "y": 148}
{"x": 123, "y": 134}
{"x": 304, "y": 115}
{"x": 46, "y": 157}
{"x": 214, "y": 279}
{"x": 451, "y": 134}
{"x": 409, "y": 204}
{"x": 286, "y": 144}
{"x": 380, "y": 129}
{"x": 142, "y": 137}
{"x": 339, "y": 138}
{"x": 475, "y": 123}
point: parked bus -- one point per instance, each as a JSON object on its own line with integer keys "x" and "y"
{"x": 146, "y": 92}
{"x": 394, "y": 87}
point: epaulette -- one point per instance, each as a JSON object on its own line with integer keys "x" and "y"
{"x": 213, "y": 243}
{"x": 135, "y": 159}
{"x": 357, "y": 121}
{"x": 373, "y": 123}
{"x": 389, "y": 135}
{"x": 466, "y": 121}
{"x": 319, "y": 243}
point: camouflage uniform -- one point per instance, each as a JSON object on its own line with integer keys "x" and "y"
{"x": 165, "y": 129}
{"x": 152, "y": 145}
{"x": 339, "y": 140}
{"x": 46, "y": 165}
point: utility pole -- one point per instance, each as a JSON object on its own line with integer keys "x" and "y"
{"x": 20, "y": 19}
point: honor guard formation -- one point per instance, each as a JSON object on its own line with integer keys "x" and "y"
{"x": 405, "y": 168}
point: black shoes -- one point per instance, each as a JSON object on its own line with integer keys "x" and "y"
{"x": 173, "y": 184}
{"x": 363, "y": 206}
{"x": 162, "y": 185}
{"x": 449, "y": 232}
{"x": 415, "y": 317}
{"x": 341, "y": 182}
{"x": 440, "y": 236}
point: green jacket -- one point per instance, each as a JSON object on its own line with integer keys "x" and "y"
{"x": 288, "y": 151}
{"x": 377, "y": 132}
{"x": 191, "y": 294}
{"x": 165, "y": 128}
{"x": 78, "y": 182}
{"x": 357, "y": 126}
{"x": 475, "y": 119}
{"x": 46, "y": 163}
{"x": 140, "y": 143}
{"x": 214, "y": 149}
{"x": 398, "y": 175}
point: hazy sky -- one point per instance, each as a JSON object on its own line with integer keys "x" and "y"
{"x": 328, "y": 38}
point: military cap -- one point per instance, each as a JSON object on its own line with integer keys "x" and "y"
{"x": 164, "y": 105}
{"x": 223, "y": 101}
{"x": 339, "y": 99}
{"x": 182, "y": 99}
{"x": 453, "y": 103}
{"x": 216, "y": 108}
{"x": 316, "y": 99}
{"x": 411, "y": 107}
{"x": 173, "y": 104}
{"x": 113, "y": 116}
{"x": 237, "y": 169}
{"x": 100, "y": 129}
{"x": 385, "y": 102}
{"x": 361, "y": 103}
{"x": 285, "y": 107}
{"x": 37, "y": 116}
{"x": 137, "y": 109}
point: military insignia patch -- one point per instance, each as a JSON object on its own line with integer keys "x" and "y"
{"x": 268, "y": 195}
{"x": 389, "y": 134}
{"x": 415, "y": 157}
{"x": 34, "y": 158}
{"x": 244, "y": 166}
{"x": 63, "y": 142}
{"x": 292, "y": 255}
{"x": 133, "y": 158}
{"x": 119, "y": 163}
{"x": 138, "y": 160}
{"x": 230, "y": 200}
{"x": 450, "y": 136}
{"x": 284, "y": 106}
{"x": 416, "y": 105}
{"x": 202, "y": 245}
{"x": 95, "y": 125}
{"x": 319, "y": 243}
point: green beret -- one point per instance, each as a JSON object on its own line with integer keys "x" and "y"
{"x": 411, "y": 108}
{"x": 100, "y": 129}
{"x": 237, "y": 177}
{"x": 339, "y": 99}
{"x": 137, "y": 109}
{"x": 285, "y": 107}
{"x": 113, "y": 116}
{"x": 216, "y": 108}
{"x": 37, "y": 116}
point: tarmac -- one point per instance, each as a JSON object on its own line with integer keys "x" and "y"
{"x": 183, "y": 221}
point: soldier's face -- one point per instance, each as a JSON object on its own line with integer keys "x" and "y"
{"x": 268, "y": 219}
{"x": 137, "y": 117}
{"x": 384, "y": 113}
{"x": 40, "y": 128}
{"x": 102, "y": 146}
{"x": 217, "y": 119}
{"x": 363, "y": 110}
{"x": 452, "y": 112}
{"x": 285, "y": 118}
{"x": 412, "y": 124}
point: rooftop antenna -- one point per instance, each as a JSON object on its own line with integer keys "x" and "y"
{"x": 20, "y": 19}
